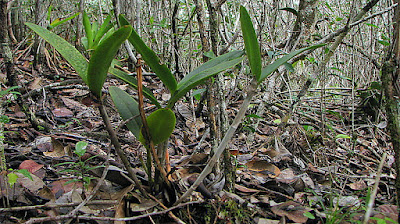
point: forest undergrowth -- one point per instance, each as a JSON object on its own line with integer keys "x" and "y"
{"x": 306, "y": 172}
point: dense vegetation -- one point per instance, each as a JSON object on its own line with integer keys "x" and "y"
{"x": 199, "y": 111}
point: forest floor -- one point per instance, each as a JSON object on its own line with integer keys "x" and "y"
{"x": 300, "y": 173}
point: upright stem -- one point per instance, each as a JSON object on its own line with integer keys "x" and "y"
{"x": 228, "y": 136}
{"x": 118, "y": 149}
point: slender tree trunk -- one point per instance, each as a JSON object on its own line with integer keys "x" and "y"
{"x": 38, "y": 47}
{"x": 390, "y": 83}
{"x": 78, "y": 44}
{"x": 5, "y": 46}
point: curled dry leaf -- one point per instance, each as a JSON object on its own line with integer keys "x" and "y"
{"x": 263, "y": 167}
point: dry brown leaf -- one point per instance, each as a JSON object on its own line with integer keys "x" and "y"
{"x": 62, "y": 112}
{"x": 292, "y": 210}
{"x": 263, "y": 167}
{"x": 245, "y": 189}
{"x": 58, "y": 149}
{"x": 30, "y": 165}
{"x": 358, "y": 186}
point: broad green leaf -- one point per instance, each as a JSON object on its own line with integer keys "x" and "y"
{"x": 102, "y": 57}
{"x": 161, "y": 125}
{"x": 12, "y": 179}
{"x": 267, "y": 71}
{"x": 88, "y": 30}
{"x": 127, "y": 108}
{"x": 80, "y": 148}
{"x": 133, "y": 82}
{"x": 69, "y": 52}
{"x": 309, "y": 215}
{"x": 151, "y": 59}
{"x": 104, "y": 28}
{"x": 26, "y": 173}
{"x": 251, "y": 43}
{"x": 58, "y": 22}
{"x": 204, "y": 72}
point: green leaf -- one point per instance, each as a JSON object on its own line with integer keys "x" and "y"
{"x": 102, "y": 57}
{"x": 204, "y": 72}
{"x": 309, "y": 215}
{"x": 384, "y": 42}
{"x": 342, "y": 136}
{"x": 133, "y": 82}
{"x": 58, "y": 22}
{"x": 69, "y": 52}
{"x": 104, "y": 28}
{"x": 267, "y": 71}
{"x": 12, "y": 178}
{"x": 197, "y": 93}
{"x": 151, "y": 59}
{"x": 26, "y": 173}
{"x": 88, "y": 30}
{"x": 80, "y": 148}
{"x": 128, "y": 108}
{"x": 161, "y": 125}
{"x": 250, "y": 43}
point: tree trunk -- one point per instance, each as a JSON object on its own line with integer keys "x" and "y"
{"x": 38, "y": 47}
{"x": 5, "y": 46}
{"x": 390, "y": 81}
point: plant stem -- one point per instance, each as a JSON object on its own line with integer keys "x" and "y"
{"x": 145, "y": 129}
{"x": 118, "y": 149}
{"x": 228, "y": 136}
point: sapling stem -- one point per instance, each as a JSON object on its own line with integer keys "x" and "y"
{"x": 228, "y": 136}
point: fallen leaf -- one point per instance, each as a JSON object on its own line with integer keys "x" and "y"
{"x": 30, "y": 165}
{"x": 62, "y": 112}
{"x": 358, "y": 186}
{"x": 263, "y": 167}
{"x": 292, "y": 210}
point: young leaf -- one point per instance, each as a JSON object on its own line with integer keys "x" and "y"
{"x": 88, "y": 30}
{"x": 267, "y": 71}
{"x": 161, "y": 125}
{"x": 250, "y": 43}
{"x": 127, "y": 108}
{"x": 58, "y": 22}
{"x": 151, "y": 58}
{"x": 104, "y": 28}
{"x": 133, "y": 82}
{"x": 205, "y": 71}
{"x": 69, "y": 52}
{"x": 80, "y": 148}
{"x": 26, "y": 173}
{"x": 102, "y": 57}
{"x": 12, "y": 179}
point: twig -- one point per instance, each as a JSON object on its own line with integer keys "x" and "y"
{"x": 55, "y": 205}
{"x": 62, "y": 217}
{"x": 374, "y": 190}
